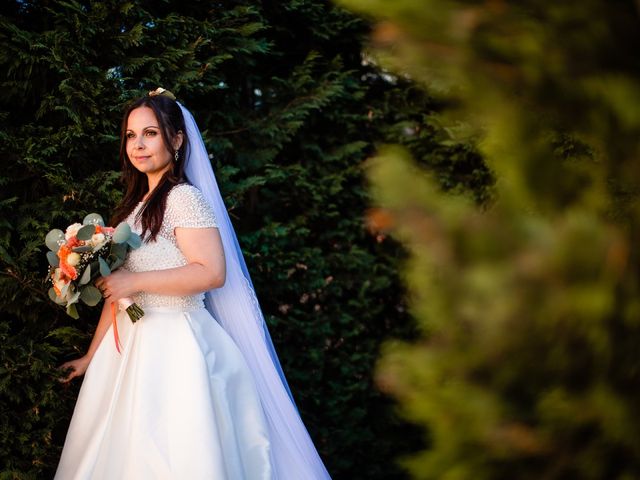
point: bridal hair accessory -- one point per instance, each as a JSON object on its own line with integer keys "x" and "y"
{"x": 162, "y": 91}
{"x": 235, "y": 307}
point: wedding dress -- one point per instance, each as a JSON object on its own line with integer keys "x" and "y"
{"x": 179, "y": 401}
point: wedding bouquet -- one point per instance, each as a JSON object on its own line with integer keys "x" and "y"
{"x": 81, "y": 254}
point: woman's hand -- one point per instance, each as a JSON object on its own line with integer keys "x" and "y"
{"x": 120, "y": 284}
{"x": 77, "y": 366}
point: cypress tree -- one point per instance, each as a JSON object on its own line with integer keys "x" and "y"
{"x": 527, "y": 363}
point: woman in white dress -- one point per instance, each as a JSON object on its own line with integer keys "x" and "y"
{"x": 196, "y": 390}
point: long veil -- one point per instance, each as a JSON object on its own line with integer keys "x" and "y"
{"x": 235, "y": 306}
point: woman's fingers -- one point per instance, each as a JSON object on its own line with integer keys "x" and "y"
{"x": 100, "y": 285}
{"x": 71, "y": 375}
{"x": 66, "y": 365}
{"x": 103, "y": 285}
{"x": 115, "y": 286}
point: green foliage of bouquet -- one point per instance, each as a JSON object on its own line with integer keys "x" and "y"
{"x": 81, "y": 254}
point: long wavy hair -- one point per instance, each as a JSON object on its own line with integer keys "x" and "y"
{"x": 171, "y": 123}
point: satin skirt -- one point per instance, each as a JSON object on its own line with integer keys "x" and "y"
{"x": 177, "y": 403}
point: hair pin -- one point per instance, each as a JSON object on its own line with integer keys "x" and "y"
{"x": 162, "y": 91}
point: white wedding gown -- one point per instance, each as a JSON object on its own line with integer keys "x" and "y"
{"x": 178, "y": 402}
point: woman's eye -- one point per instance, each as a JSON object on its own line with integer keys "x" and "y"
{"x": 152, "y": 133}
{"x": 129, "y": 135}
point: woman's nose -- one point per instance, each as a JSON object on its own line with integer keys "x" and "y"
{"x": 139, "y": 142}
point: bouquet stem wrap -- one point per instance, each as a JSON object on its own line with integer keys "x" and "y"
{"x": 132, "y": 309}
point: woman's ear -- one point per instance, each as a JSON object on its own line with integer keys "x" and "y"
{"x": 177, "y": 140}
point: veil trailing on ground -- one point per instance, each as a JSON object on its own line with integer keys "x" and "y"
{"x": 235, "y": 306}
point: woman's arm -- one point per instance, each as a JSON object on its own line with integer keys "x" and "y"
{"x": 79, "y": 365}
{"x": 202, "y": 248}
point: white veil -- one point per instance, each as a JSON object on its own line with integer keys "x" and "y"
{"x": 235, "y": 306}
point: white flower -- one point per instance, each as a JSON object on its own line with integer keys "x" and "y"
{"x": 97, "y": 240}
{"x": 73, "y": 259}
{"x": 59, "y": 284}
{"x": 72, "y": 230}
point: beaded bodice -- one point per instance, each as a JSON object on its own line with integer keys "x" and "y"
{"x": 186, "y": 207}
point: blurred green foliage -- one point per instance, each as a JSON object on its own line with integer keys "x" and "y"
{"x": 529, "y": 307}
{"x": 290, "y": 112}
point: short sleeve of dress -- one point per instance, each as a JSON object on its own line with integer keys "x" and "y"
{"x": 187, "y": 207}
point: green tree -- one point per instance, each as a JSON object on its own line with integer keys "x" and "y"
{"x": 527, "y": 366}
{"x": 290, "y": 112}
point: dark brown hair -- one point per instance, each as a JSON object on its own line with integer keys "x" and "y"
{"x": 171, "y": 122}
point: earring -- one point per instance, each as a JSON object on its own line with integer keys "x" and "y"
{"x": 175, "y": 158}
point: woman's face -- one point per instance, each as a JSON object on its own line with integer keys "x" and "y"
{"x": 145, "y": 147}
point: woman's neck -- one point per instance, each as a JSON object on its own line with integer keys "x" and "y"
{"x": 153, "y": 181}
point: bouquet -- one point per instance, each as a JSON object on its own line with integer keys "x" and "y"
{"x": 81, "y": 254}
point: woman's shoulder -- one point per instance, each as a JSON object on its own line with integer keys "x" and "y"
{"x": 184, "y": 192}
{"x": 186, "y": 206}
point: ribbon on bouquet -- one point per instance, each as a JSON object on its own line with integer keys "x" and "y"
{"x": 123, "y": 304}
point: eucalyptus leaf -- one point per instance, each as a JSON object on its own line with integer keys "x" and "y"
{"x": 74, "y": 298}
{"x": 82, "y": 249}
{"x": 59, "y": 300}
{"x": 54, "y": 239}
{"x": 53, "y": 259}
{"x": 86, "y": 276}
{"x": 90, "y": 295}
{"x": 95, "y": 269}
{"x": 117, "y": 263}
{"x": 134, "y": 240}
{"x": 104, "y": 267}
{"x": 86, "y": 232}
{"x": 52, "y": 295}
{"x": 122, "y": 233}
{"x": 72, "y": 311}
{"x": 119, "y": 250}
{"x": 93, "y": 219}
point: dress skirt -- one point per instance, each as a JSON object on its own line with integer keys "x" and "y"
{"x": 177, "y": 403}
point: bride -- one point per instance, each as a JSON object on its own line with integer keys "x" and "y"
{"x": 196, "y": 391}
